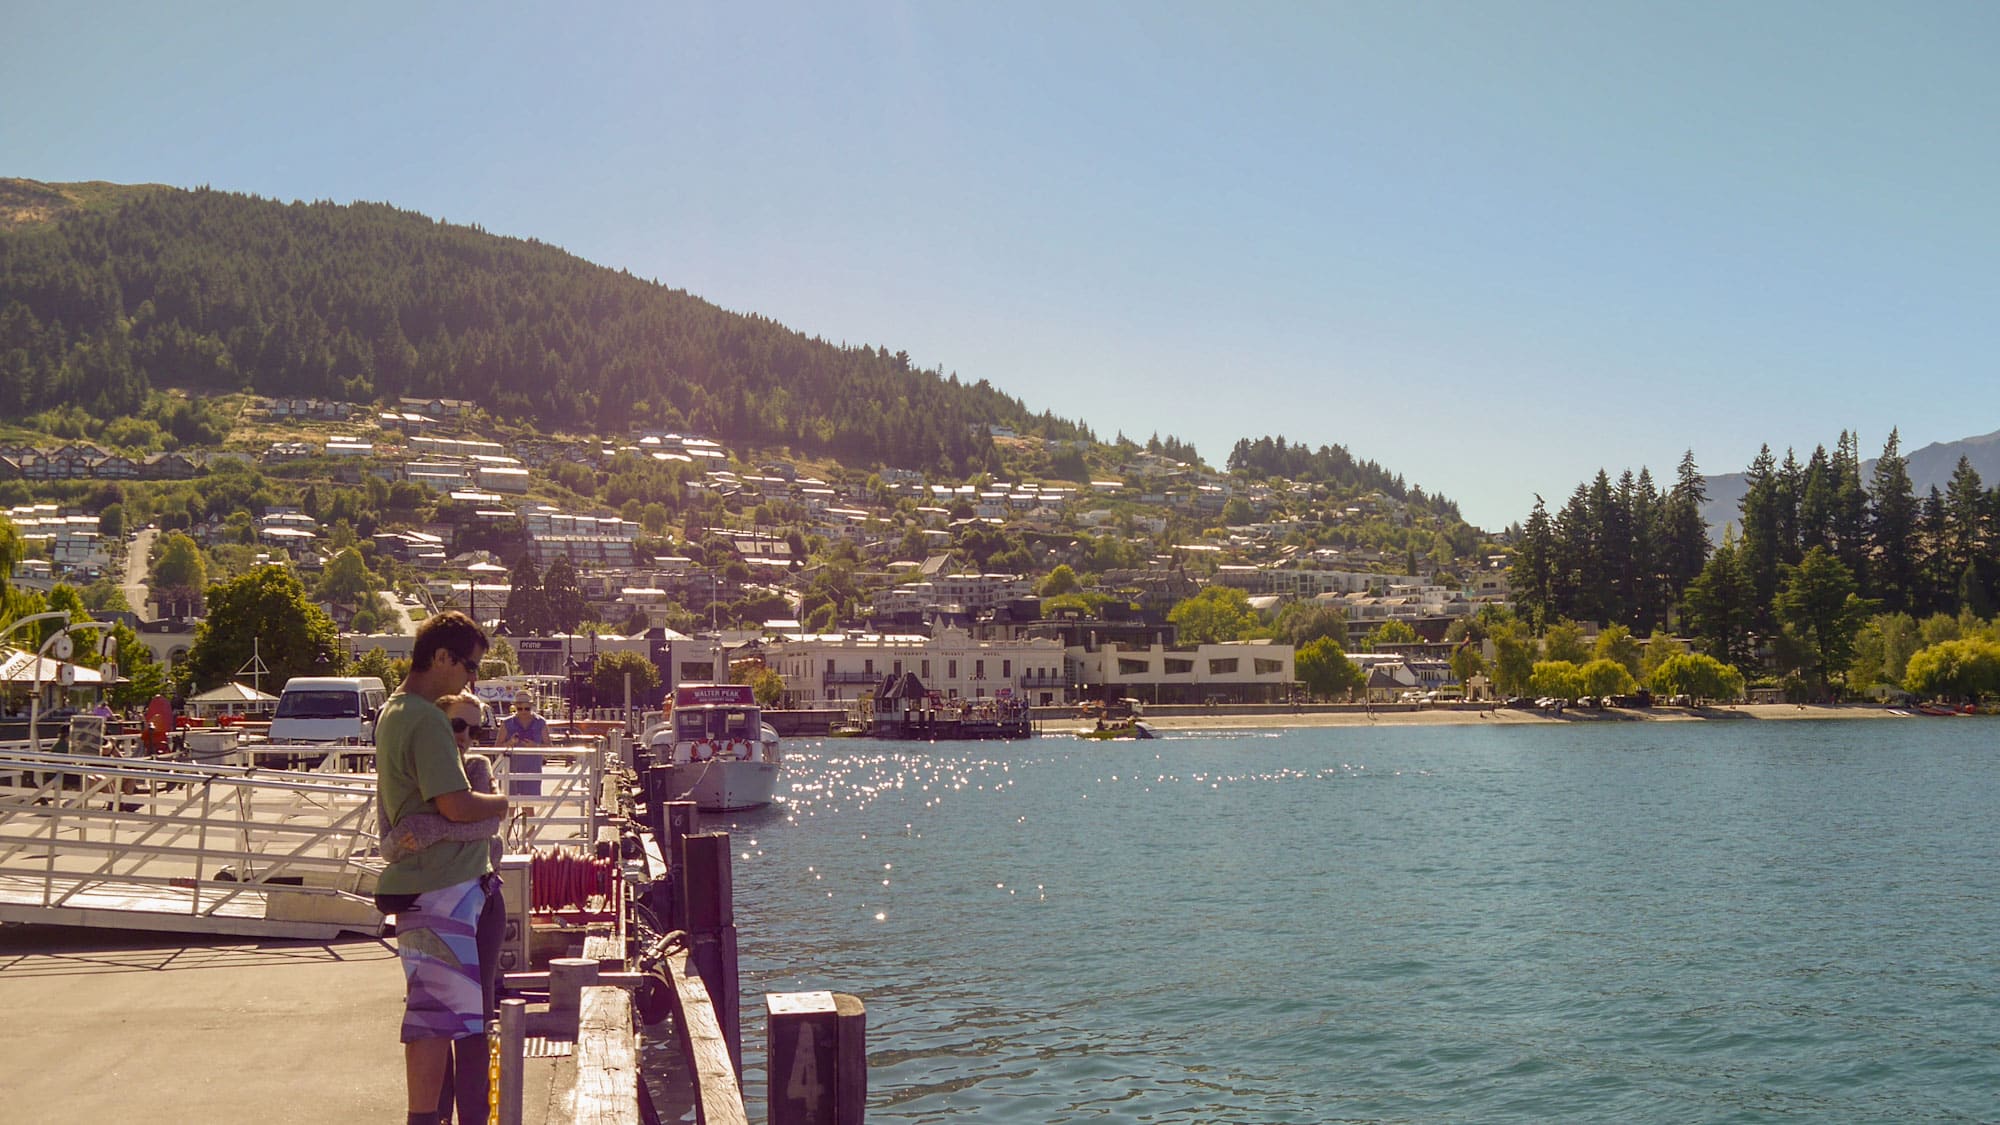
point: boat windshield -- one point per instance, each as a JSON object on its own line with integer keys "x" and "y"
{"x": 721, "y": 723}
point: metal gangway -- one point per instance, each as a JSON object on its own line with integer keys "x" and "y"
{"x": 190, "y": 847}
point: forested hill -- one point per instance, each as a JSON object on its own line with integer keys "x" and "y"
{"x": 107, "y": 291}
{"x": 1330, "y": 464}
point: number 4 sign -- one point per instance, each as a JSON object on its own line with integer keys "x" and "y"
{"x": 817, "y": 1058}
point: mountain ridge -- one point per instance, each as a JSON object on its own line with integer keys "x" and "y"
{"x": 1930, "y": 466}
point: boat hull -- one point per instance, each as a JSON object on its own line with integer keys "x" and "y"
{"x": 725, "y": 786}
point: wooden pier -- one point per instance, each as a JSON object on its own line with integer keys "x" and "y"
{"x": 621, "y": 916}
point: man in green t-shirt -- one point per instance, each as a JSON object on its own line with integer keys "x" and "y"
{"x": 446, "y": 898}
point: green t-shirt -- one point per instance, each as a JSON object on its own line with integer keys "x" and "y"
{"x": 416, "y": 760}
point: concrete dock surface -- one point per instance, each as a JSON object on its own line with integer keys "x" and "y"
{"x": 104, "y": 1025}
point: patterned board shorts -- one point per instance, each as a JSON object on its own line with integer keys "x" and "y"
{"x": 437, "y": 942}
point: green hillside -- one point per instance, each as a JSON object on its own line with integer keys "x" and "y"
{"x": 109, "y": 291}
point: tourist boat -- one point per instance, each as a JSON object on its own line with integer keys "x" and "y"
{"x": 1123, "y": 728}
{"x": 1118, "y": 719}
{"x": 725, "y": 756}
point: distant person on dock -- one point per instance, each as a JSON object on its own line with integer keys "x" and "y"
{"x": 439, "y": 894}
{"x": 524, "y": 728}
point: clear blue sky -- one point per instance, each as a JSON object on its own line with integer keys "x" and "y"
{"x": 1493, "y": 246}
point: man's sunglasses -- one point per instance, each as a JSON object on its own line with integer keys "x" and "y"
{"x": 460, "y": 726}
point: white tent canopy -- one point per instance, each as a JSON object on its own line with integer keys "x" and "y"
{"x": 231, "y": 699}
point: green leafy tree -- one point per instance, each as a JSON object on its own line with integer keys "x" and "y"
{"x": 1564, "y": 642}
{"x": 607, "y": 679}
{"x": 1698, "y": 675}
{"x": 1326, "y": 671}
{"x": 64, "y": 597}
{"x": 378, "y": 663}
{"x": 105, "y": 597}
{"x": 1882, "y": 650}
{"x": 376, "y": 615}
{"x": 1466, "y": 662}
{"x": 111, "y": 521}
{"x": 1616, "y": 642}
{"x": 1215, "y": 615}
{"x": 1558, "y": 679}
{"x": 501, "y": 658}
{"x": 1817, "y": 604}
{"x": 1389, "y": 633}
{"x": 178, "y": 572}
{"x": 1513, "y": 658}
{"x": 1061, "y": 580}
{"x": 1603, "y": 677}
{"x": 266, "y": 610}
{"x": 1964, "y": 669}
{"x": 1303, "y": 622}
{"x": 765, "y": 683}
{"x": 347, "y": 580}
{"x": 1659, "y": 647}
{"x": 141, "y": 675}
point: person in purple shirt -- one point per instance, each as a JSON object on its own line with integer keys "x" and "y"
{"x": 524, "y": 728}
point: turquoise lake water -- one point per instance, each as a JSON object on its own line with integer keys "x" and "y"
{"x": 1634, "y": 922}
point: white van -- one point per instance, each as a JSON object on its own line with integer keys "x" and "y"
{"x": 328, "y": 709}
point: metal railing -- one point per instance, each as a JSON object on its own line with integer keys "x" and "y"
{"x": 186, "y": 846}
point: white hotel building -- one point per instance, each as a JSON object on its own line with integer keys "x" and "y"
{"x": 835, "y": 669}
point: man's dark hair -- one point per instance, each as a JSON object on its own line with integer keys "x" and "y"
{"x": 452, "y": 632}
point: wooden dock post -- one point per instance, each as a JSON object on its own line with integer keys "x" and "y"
{"x": 708, "y": 899}
{"x": 658, "y": 780}
{"x": 683, "y": 819}
{"x": 816, "y": 1058}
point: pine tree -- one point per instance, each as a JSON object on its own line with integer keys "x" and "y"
{"x": 1762, "y": 548}
{"x": 526, "y": 614}
{"x": 1850, "y": 508}
{"x": 1892, "y": 527}
{"x": 1686, "y": 535}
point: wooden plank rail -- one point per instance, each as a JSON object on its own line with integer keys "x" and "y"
{"x": 607, "y": 1060}
{"x": 705, "y": 1048}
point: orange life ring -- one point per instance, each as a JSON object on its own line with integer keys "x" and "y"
{"x": 701, "y": 751}
{"x": 743, "y": 751}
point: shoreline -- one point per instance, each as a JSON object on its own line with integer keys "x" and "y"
{"x": 1767, "y": 712}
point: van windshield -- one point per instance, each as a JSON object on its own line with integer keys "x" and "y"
{"x": 319, "y": 705}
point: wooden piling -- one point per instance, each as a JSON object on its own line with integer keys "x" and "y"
{"x": 708, "y": 900}
{"x": 682, "y": 819}
{"x": 816, "y": 1058}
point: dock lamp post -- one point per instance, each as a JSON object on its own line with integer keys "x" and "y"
{"x": 16, "y": 625}
{"x": 62, "y": 644}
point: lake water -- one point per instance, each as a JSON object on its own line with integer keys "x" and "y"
{"x": 1634, "y": 922}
